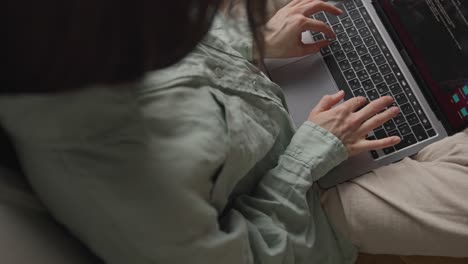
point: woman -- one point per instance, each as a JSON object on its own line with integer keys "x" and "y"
{"x": 195, "y": 163}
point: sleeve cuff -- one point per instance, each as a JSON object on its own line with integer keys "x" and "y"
{"x": 317, "y": 149}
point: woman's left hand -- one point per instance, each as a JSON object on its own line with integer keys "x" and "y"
{"x": 283, "y": 32}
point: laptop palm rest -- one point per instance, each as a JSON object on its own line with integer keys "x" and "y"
{"x": 304, "y": 83}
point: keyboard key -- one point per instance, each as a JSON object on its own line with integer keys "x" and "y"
{"x": 357, "y": 65}
{"x": 388, "y": 55}
{"x": 422, "y": 117}
{"x": 399, "y": 119}
{"x": 395, "y": 88}
{"x": 379, "y": 39}
{"x": 401, "y": 98}
{"x": 369, "y": 41}
{"x": 352, "y": 31}
{"x": 319, "y": 37}
{"x": 361, "y": 50}
{"x": 335, "y": 46}
{"x": 358, "y": 3}
{"x": 345, "y": 13}
{"x": 359, "y": 23}
{"x": 371, "y": 68}
{"x": 399, "y": 75}
{"x": 406, "y": 141}
{"x": 377, "y": 78}
{"x": 349, "y": 74}
{"x": 338, "y": 29}
{"x": 367, "y": 84}
{"x": 347, "y": 47}
{"x": 340, "y": 55}
{"x": 321, "y": 17}
{"x": 412, "y": 119}
{"x": 365, "y": 15}
{"x": 393, "y": 64}
{"x": 385, "y": 69}
{"x": 393, "y": 133}
{"x": 342, "y": 37}
{"x": 374, "y": 154}
{"x": 373, "y": 95}
{"x": 390, "y": 78}
{"x": 347, "y": 22}
{"x": 362, "y": 75}
{"x": 404, "y": 84}
{"x": 414, "y": 102}
{"x": 354, "y": 14}
{"x": 349, "y": 5}
{"x": 374, "y": 50}
{"x": 344, "y": 65}
{"x": 338, "y": 76}
{"x": 382, "y": 88}
{"x": 325, "y": 51}
{"x": 366, "y": 59}
{"x": 379, "y": 59}
{"x": 406, "y": 109}
{"x": 356, "y": 40}
{"x": 355, "y": 84}
{"x": 380, "y": 134}
{"x": 374, "y": 31}
{"x": 404, "y": 129}
{"x": 431, "y": 133}
{"x": 389, "y": 125}
{"x": 359, "y": 92}
{"x": 420, "y": 132}
{"x": 364, "y": 32}
{"x": 352, "y": 56}
{"x": 332, "y": 19}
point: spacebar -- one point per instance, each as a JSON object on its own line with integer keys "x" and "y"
{"x": 338, "y": 76}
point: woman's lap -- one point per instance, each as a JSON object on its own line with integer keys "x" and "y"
{"x": 418, "y": 206}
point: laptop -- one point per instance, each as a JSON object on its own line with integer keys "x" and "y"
{"x": 413, "y": 50}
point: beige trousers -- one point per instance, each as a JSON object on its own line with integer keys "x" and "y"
{"x": 418, "y": 206}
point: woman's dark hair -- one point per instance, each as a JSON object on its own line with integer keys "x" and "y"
{"x": 57, "y": 45}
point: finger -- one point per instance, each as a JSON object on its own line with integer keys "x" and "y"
{"x": 318, "y": 26}
{"x": 313, "y": 48}
{"x": 301, "y": 2}
{"x": 378, "y": 120}
{"x": 317, "y": 6}
{"x": 328, "y": 101}
{"x": 353, "y": 104}
{"x": 366, "y": 145}
{"x": 373, "y": 108}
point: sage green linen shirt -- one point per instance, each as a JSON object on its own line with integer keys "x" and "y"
{"x": 197, "y": 163}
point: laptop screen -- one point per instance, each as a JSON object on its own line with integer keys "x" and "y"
{"x": 434, "y": 34}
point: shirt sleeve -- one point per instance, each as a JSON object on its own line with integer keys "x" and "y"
{"x": 138, "y": 190}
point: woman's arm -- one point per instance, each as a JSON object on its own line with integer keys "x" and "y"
{"x": 138, "y": 187}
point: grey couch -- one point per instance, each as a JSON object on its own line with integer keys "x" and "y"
{"x": 28, "y": 234}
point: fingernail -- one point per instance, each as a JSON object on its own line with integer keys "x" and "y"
{"x": 396, "y": 110}
{"x": 396, "y": 140}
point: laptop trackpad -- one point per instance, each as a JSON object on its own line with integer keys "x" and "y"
{"x": 304, "y": 83}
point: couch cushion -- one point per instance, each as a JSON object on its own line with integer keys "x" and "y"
{"x": 27, "y": 232}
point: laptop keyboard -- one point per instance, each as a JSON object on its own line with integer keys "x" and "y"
{"x": 362, "y": 65}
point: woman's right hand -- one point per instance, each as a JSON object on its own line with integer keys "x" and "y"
{"x": 351, "y": 125}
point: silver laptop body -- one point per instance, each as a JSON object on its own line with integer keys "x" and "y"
{"x": 306, "y": 80}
